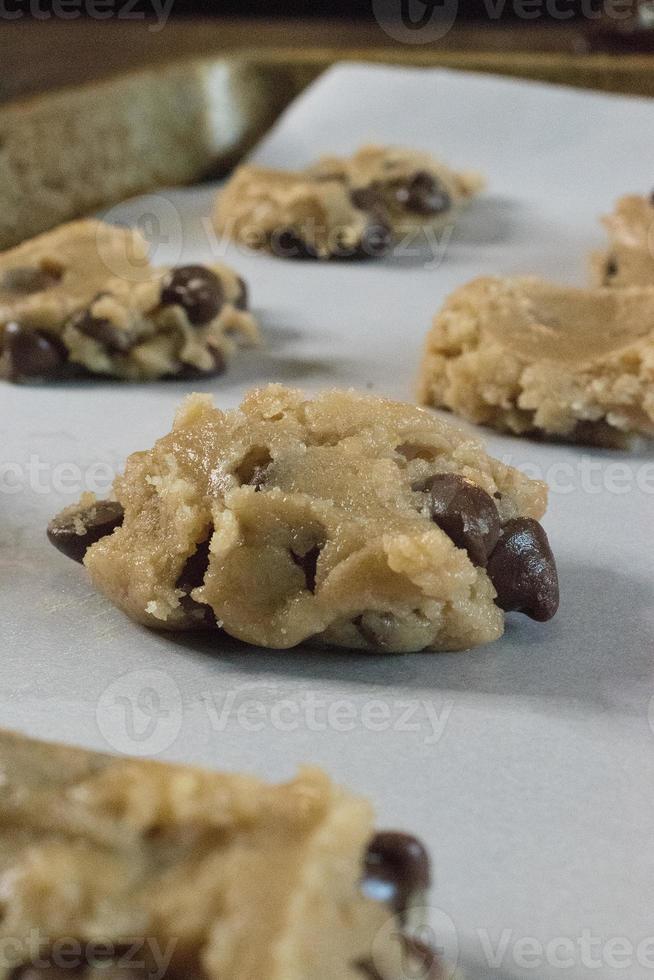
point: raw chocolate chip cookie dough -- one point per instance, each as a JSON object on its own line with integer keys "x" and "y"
{"x": 534, "y": 358}
{"x": 133, "y": 870}
{"x": 629, "y": 260}
{"x": 83, "y": 300}
{"x": 347, "y": 520}
{"x": 341, "y": 208}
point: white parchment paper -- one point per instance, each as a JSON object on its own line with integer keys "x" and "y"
{"x": 528, "y": 766}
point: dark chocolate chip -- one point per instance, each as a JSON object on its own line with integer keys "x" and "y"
{"x": 368, "y": 198}
{"x": 308, "y": 563}
{"x": 242, "y": 300}
{"x": 287, "y": 244}
{"x": 29, "y": 279}
{"x": 611, "y": 268}
{"x": 377, "y": 238}
{"x": 465, "y": 512}
{"x": 32, "y": 354}
{"x": 192, "y": 577}
{"x": 397, "y": 869}
{"x": 196, "y": 289}
{"x": 113, "y": 338}
{"x": 190, "y": 372}
{"x": 523, "y": 570}
{"x": 423, "y": 194}
{"x": 72, "y": 533}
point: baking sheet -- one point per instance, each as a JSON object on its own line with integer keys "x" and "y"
{"x": 527, "y": 766}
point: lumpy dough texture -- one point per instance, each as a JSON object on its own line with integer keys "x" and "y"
{"x": 529, "y": 357}
{"x": 84, "y": 300}
{"x": 317, "y": 522}
{"x": 341, "y": 207}
{"x": 180, "y": 872}
{"x": 414, "y": 187}
{"x": 629, "y": 260}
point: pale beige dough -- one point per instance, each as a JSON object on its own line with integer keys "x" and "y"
{"x": 89, "y": 267}
{"x": 341, "y": 207}
{"x": 388, "y": 170}
{"x": 226, "y": 876}
{"x": 284, "y": 477}
{"x": 629, "y": 260}
{"x": 527, "y": 356}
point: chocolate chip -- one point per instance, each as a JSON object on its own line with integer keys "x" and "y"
{"x": 396, "y": 869}
{"x": 242, "y": 300}
{"x": 73, "y": 532}
{"x": 368, "y": 198}
{"x": 32, "y": 354}
{"x": 423, "y": 194}
{"x": 287, "y": 244}
{"x": 192, "y": 577}
{"x": 308, "y": 563}
{"x": 29, "y": 279}
{"x": 377, "y": 238}
{"x": 523, "y": 570}
{"x": 611, "y": 268}
{"x": 190, "y": 372}
{"x": 465, "y": 512}
{"x": 196, "y": 289}
{"x": 113, "y": 338}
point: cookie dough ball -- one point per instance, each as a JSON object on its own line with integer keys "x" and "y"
{"x": 526, "y": 356}
{"x": 346, "y": 520}
{"x": 629, "y": 260}
{"x": 83, "y": 300}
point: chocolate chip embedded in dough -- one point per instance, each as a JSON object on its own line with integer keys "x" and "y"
{"x": 242, "y": 300}
{"x": 29, "y": 279}
{"x": 196, "y": 289}
{"x": 424, "y": 195}
{"x": 72, "y": 532}
{"x": 396, "y": 867}
{"x": 611, "y": 270}
{"x": 32, "y": 354}
{"x": 466, "y": 513}
{"x": 106, "y": 333}
{"x": 308, "y": 562}
{"x": 523, "y": 570}
{"x": 368, "y": 198}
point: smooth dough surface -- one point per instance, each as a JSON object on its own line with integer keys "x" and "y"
{"x": 528, "y": 356}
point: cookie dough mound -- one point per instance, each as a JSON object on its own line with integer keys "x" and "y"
{"x": 529, "y": 357}
{"x": 347, "y": 520}
{"x": 135, "y": 870}
{"x": 414, "y": 188}
{"x": 629, "y": 260}
{"x": 296, "y": 217}
{"x": 341, "y": 207}
{"x": 84, "y": 300}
